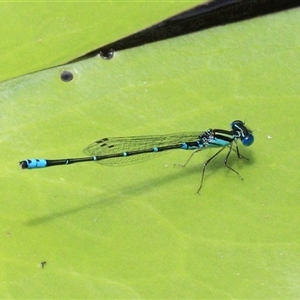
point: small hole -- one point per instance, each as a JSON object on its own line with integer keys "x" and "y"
{"x": 66, "y": 76}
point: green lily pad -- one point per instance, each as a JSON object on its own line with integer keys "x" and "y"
{"x": 141, "y": 231}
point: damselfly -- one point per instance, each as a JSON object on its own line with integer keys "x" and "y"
{"x": 120, "y": 151}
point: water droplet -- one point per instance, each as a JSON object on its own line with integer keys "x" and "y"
{"x": 107, "y": 53}
{"x": 66, "y": 76}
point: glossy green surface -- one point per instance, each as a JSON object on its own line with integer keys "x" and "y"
{"x": 141, "y": 231}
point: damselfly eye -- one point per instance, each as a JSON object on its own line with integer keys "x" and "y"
{"x": 248, "y": 140}
{"x": 237, "y": 124}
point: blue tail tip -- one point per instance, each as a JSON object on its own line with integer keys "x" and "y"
{"x": 33, "y": 163}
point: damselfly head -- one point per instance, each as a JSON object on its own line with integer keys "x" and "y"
{"x": 243, "y": 132}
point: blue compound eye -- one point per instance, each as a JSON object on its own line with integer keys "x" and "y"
{"x": 248, "y": 140}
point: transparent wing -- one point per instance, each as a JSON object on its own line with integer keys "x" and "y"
{"x": 115, "y": 145}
